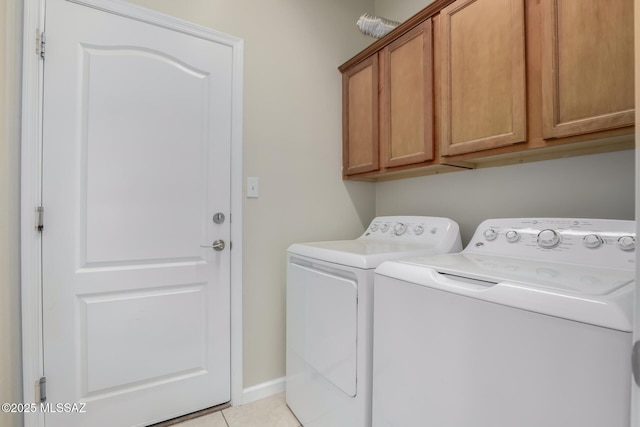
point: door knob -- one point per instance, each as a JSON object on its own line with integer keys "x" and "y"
{"x": 218, "y": 245}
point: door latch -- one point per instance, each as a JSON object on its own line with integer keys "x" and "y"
{"x": 218, "y": 218}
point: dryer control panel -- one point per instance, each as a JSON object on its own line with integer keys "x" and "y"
{"x": 594, "y": 242}
{"x": 441, "y": 233}
{"x": 416, "y": 228}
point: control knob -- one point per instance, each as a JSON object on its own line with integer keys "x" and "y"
{"x": 399, "y": 229}
{"x": 384, "y": 227}
{"x": 627, "y": 243}
{"x": 592, "y": 241}
{"x": 512, "y": 236}
{"x": 375, "y": 226}
{"x": 418, "y": 229}
{"x": 490, "y": 234}
{"x": 548, "y": 238}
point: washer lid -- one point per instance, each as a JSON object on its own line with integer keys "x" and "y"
{"x": 598, "y": 296}
{"x": 559, "y": 277}
{"x": 359, "y": 253}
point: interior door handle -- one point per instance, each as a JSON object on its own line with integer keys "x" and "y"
{"x": 635, "y": 362}
{"x": 217, "y": 245}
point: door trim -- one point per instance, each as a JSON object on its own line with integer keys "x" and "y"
{"x": 31, "y": 188}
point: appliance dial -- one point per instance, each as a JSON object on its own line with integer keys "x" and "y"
{"x": 384, "y": 227}
{"x": 592, "y": 241}
{"x": 399, "y": 229}
{"x": 490, "y": 234}
{"x": 627, "y": 243}
{"x": 548, "y": 238}
{"x": 375, "y": 226}
{"x": 512, "y": 236}
{"x": 418, "y": 229}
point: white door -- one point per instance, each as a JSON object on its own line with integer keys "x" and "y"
{"x": 136, "y": 162}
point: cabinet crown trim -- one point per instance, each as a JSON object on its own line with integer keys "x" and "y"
{"x": 429, "y": 11}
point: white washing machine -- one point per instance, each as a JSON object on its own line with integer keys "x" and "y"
{"x": 529, "y": 326}
{"x": 329, "y": 315}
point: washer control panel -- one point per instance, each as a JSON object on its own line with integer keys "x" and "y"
{"x": 594, "y": 242}
{"x": 408, "y": 229}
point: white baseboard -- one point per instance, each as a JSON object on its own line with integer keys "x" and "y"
{"x": 260, "y": 391}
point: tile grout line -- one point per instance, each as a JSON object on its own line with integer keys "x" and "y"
{"x": 225, "y": 419}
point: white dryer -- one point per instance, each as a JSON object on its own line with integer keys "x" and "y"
{"x": 329, "y": 315}
{"x": 529, "y": 326}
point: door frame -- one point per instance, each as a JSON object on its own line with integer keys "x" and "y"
{"x": 31, "y": 188}
{"x": 635, "y": 389}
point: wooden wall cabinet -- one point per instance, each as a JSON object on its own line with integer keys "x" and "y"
{"x": 388, "y": 106}
{"x": 587, "y": 66}
{"x": 478, "y": 83}
{"x": 482, "y": 82}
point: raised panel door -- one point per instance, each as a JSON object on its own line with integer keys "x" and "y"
{"x": 360, "y": 117}
{"x": 483, "y": 103}
{"x": 406, "y": 122}
{"x": 136, "y": 148}
{"x": 587, "y": 66}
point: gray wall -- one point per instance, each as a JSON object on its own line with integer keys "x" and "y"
{"x": 399, "y": 10}
{"x": 594, "y": 186}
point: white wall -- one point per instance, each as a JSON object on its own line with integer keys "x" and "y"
{"x": 292, "y": 142}
{"x": 595, "y": 186}
{"x": 10, "y": 334}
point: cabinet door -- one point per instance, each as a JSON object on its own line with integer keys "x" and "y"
{"x": 483, "y": 102}
{"x": 587, "y": 66}
{"x": 406, "y": 96}
{"x": 360, "y": 117}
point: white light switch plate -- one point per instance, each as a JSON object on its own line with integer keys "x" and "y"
{"x": 253, "y": 190}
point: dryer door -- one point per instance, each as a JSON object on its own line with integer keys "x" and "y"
{"x": 322, "y": 321}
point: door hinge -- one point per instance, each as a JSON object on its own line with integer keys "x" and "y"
{"x": 43, "y": 389}
{"x": 39, "y": 218}
{"x": 40, "y": 43}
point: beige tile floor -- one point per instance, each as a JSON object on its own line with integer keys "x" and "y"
{"x": 269, "y": 412}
